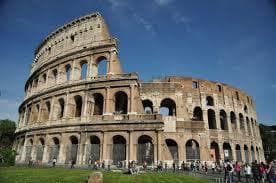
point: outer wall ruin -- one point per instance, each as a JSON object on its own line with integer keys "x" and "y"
{"x": 80, "y": 106}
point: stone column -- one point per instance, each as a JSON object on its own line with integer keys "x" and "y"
{"x": 52, "y": 109}
{"x": 39, "y": 112}
{"x": 45, "y": 157}
{"x": 107, "y": 110}
{"x": 66, "y": 106}
{"x": 104, "y": 148}
{"x": 81, "y": 153}
{"x": 84, "y": 113}
{"x": 230, "y": 130}
{"x": 131, "y": 147}
{"x": 233, "y": 148}
{"x": 132, "y": 99}
{"x": 159, "y": 145}
{"x": 63, "y": 148}
{"x": 23, "y": 155}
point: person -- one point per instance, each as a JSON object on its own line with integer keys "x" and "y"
{"x": 272, "y": 172}
{"x": 183, "y": 166}
{"x": 89, "y": 162}
{"x": 237, "y": 169}
{"x": 255, "y": 171}
{"x": 229, "y": 172}
{"x": 213, "y": 166}
{"x": 54, "y": 161}
{"x": 72, "y": 163}
{"x": 205, "y": 167}
{"x": 263, "y": 172}
{"x": 145, "y": 165}
{"x": 247, "y": 170}
{"x": 173, "y": 166}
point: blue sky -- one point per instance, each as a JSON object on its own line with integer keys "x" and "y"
{"x": 232, "y": 41}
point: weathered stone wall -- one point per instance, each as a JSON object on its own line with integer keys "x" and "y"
{"x": 71, "y": 112}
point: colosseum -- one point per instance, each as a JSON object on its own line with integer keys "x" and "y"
{"x": 80, "y": 106}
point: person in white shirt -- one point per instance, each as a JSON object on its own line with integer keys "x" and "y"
{"x": 247, "y": 170}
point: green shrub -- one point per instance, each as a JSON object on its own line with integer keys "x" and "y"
{"x": 7, "y": 157}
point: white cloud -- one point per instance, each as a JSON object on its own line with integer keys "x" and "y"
{"x": 162, "y": 2}
{"x": 146, "y": 24}
{"x": 178, "y": 18}
{"x": 115, "y": 4}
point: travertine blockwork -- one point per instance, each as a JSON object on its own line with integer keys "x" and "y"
{"x": 73, "y": 111}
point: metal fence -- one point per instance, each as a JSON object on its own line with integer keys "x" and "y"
{"x": 54, "y": 152}
{"x": 28, "y": 156}
{"x": 192, "y": 153}
{"x": 39, "y": 152}
{"x": 145, "y": 153}
{"x": 71, "y": 153}
{"x": 92, "y": 152}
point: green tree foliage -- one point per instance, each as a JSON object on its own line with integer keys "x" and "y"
{"x": 7, "y": 129}
{"x": 269, "y": 142}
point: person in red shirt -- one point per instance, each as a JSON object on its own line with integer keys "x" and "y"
{"x": 237, "y": 169}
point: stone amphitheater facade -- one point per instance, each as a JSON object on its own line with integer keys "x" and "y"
{"x": 71, "y": 112}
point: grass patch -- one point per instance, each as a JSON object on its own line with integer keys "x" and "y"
{"x": 62, "y": 175}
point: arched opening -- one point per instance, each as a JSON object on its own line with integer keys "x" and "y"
{"x": 246, "y": 154}
{"x": 227, "y": 151}
{"x": 68, "y": 72}
{"x": 40, "y": 150}
{"x": 145, "y": 150}
{"x": 173, "y": 149}
{"x": 35, "y": 113}
{"x": 72, "y": 150}
{"x": 238, "y": 153}
{"x": 192, "y": 151}
{"x": 83, "y": 65}
{"x": 168, "y": 107}
{"x": 54, "y": 73}
{"x": 257, "y": 154}
{"x": 248, "y": 126}
{"x": 148, "y": 106}
{"x": 119, "y": 150}
{"x": 78, "y": 106}
{"x": 98, "y": 104}
{"x": 253, "y": 158}
{"x": 212, "y": 119}
{"x": 61, "y": 108}
{"x": 241, "y": 122}
{"x": 197, "y": 114}
{"x": 253, "y": 127}
{"x": 54, "y": 149}
{"x": 223, "y": 120}
{"x": 215, "y": 156}
{"x": 102, "y": 65}
{"x": 121, "y": 100}
{"x": 209, "y": 101}
{"x": 233, "y": 120}
{"x": 93, "y": 150}
{"x": 29, "y": 148}
{"x": 45, "y": 111}
{"x": 245, "y": 109}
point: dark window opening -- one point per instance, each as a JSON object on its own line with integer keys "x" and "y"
{"x": 61, "y": 108}
{"x": 209, "y": 101}
{"x": 78, "y": 106}
{"x": 83, "y": 70}
{"x": 121, "y": 103}
{"x": 68, "y": 72}
{"x": 195, "y": 84}
{"x": 219, "y": 88}
{"x": 197, "y": 114}
{"x": 168, "y": 107}
{"x": 212, "y": 119}
{"x": 148, "y": 106}
{"x": 98, "y": 105}
{"x": 223, "y": 120}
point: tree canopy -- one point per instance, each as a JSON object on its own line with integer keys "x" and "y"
{"x": 7, "y": 129}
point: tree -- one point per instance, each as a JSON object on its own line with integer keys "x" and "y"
{"x": 269, "y": 142}
{"x": 7, "y": 155}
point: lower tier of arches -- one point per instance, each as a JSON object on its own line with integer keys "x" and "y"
{"x": 119, "y": 148}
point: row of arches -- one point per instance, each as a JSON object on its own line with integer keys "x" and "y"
{"x": 74, "y": 107}
{"x": 145, "y": 150}
{"x": 198, "y": 116}
{"x": 67, "y": 72}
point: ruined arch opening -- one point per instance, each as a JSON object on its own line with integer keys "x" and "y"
{"x": 83, "y": 66}
{"x": 241, "y": 122}
{"x": 253, "y": 157}
{"x": 28, "y": 150}
{"x": 246, "y": 154}
{"x": 78, "y": 105}
{"x": 210, "y": 101}
{"x": 223, "y": 120}
{"x": 40, "y": 149}
{"x": 245, "y": 109}
{"x": 212, "y": 119}
{"x": 148, "y": 106}
{"x": 145, "y": 151}
{"x": 45, "y": 111}
{"x": 248, "y": 126}
{"x": 93, "y": 150}
{"x": 54, "y": 149}
{"x": 119, "y": 150}
{"x": 168, "y": 107}
{"x": 98, "y": 104}
{"x": 233, "y": 120}
{"x": 215, "y": 151}
{"x": 238, "y": 153}
{"x": 197, "y": 114}
{"x": 192, "y": 151}
{"x": 173, "y": 149}
{"x": 102, "y": 65}
{"x": 54, "y": 75}
{"x": 121, "y": 103}
{"x": 68, "y": 70}
{"x": 61, "y": 108}
{"x": 227, "y": 151}
{"x": 72, "y": 150}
